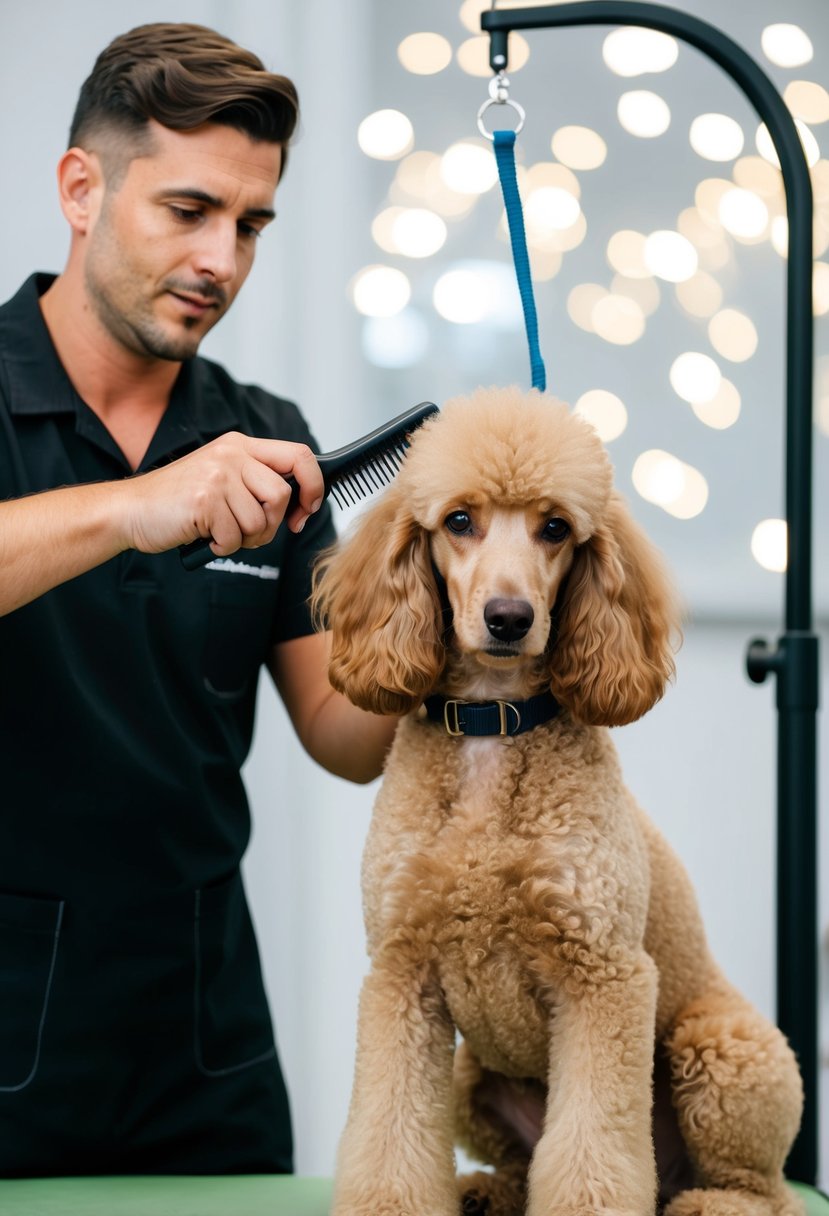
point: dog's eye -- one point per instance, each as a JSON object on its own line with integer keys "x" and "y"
{"x": 458, "y": 522}
{"x": 556, "y": 530}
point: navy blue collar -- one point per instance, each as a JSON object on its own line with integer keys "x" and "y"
{"x": 477, "y": 719}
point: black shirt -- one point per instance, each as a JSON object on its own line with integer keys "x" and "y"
{"x": 127, "y": 694}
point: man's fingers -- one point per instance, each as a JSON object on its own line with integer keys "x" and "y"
{"x": 226, "y": 535}
{"x": 296, "y": 460}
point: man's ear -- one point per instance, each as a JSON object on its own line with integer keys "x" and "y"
{"x": 81, "y": 189}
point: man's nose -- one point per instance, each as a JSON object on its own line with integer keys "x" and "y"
{"x": 216, "y": 253}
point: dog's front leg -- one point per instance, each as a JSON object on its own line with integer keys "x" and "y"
{"x": 596, "y": 1154}
{"x": 396, "y": 1156}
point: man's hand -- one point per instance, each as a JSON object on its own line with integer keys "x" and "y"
{"x": 232, "y": 490}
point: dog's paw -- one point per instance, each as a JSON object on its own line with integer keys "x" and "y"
{"x": 498, "y": 1194}
{"x": 716, "y": 1202}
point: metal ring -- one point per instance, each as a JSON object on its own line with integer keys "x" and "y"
{"x": 509, "y": 102}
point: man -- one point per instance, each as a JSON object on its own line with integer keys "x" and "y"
{"x": 134, "y": 1031}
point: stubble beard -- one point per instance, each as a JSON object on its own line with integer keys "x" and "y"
{"x": 134, "y": 326}
{"x": 125, "y": 311}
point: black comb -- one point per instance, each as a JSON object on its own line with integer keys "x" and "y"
{"x": 349, "y": 473}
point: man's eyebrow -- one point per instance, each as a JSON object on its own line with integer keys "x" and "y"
{"x": 211, "y": 200}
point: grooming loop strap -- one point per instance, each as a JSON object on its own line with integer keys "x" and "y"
{"x": 504, "y": 145}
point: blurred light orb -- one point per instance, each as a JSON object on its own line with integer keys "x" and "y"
{"x": 820, "y": 288}
{"x": 380, "y": 291}
{"x": 707, "y": 198}
{"x": 385, "y": 135}
{"x": 473, "y": 54}
{"x": 604, "y": 411}
{"x": 382, "y": 228}
{"x": 412, "y": 174}
{"x": 618, "y": 319}
{"x": 479, "y": 291}
{"x": 695, "y": 377}
{"x": 418, "y": 178}
{"x": 786, "y": 45}
{"x": 703, "y": 233}
{"x": 544, "y": 265}
{"x": 459, "y": 296}
{"x": 765, "y": 145}
{"x": 670, "y": 256}
{"x": 743, "y": 213}
{"x": 716, "y": 137}
{"x": 644, "y": 291}
{"x": 579, "y": 147}
{"x": 468, "y": 168}
{"x": 807, "y": 100}
{"x": 558, "y": 240}
{"x": 550, "y": 207}
{"x": 769, "y": 545}
{"x": 545, "y": 173}
{"x": 425, "y": 54}
{"x": 701, "y": 295}
{"x": 780, "y": 235}
{"x": 755, "y": 173}
{"x": 723, "y": 410}
{"x": 580, "y": 304}
{"x": 418, "y": 233}
{"x": 634, "y": 50}
{"x": 626, "y": 253}
{"x": 670, "y": 483}
{"x": 733, "y": 335}
{"x": 643, "y": 114}
{"x": 398, "y": 341}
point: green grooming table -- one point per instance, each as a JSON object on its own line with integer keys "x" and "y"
{"x": 245, "y": 1195}
{"x": 223, "y": 1196}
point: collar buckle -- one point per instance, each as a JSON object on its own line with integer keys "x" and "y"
{"x": 452, "y": 722}
{"x": 503, "y": 706}
{"x": 450, "y": 718}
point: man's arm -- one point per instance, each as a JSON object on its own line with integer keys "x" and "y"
{"x": 347, "y": 741}
{"x": 232, "y": 489}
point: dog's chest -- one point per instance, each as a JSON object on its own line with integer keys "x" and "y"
{"x": 489, "y": 859}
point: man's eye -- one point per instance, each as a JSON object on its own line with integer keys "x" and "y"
{"x": 248, "y": 231}
{"x": 185, "y": 214}
{"x": 556, "y": 530}
{"x": 458, "y": 522}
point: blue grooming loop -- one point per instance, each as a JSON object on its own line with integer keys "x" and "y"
{"x": 504, "y": 143}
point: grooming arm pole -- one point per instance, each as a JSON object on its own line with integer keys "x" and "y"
{"x": 794, "y": 660}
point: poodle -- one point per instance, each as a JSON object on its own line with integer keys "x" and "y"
{"x": 541, "y": 991}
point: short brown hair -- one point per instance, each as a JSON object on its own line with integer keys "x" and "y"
{"x": 182, "y": 76}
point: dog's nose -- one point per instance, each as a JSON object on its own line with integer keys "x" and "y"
{"x": 508, "y": 620}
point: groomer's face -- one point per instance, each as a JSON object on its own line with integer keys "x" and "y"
{"x": 176, "y": 234}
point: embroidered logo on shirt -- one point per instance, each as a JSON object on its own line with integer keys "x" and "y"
{"x": 229, "y": 566}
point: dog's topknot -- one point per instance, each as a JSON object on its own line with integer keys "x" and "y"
{"x": 553, "y": 457}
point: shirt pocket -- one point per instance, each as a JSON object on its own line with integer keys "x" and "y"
{"x": 233, "y": 1027}
{"x": 239, "y": 629}
{"x": 29, "y": 937}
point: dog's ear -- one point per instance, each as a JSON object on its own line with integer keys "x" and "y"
{"x": 377, "y": 595}
{"x": 617, "y": 624}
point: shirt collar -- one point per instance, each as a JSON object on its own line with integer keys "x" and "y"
{"x": 26, "y": 344}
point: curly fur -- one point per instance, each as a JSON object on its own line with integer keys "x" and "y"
{"x": 513, "y": 889}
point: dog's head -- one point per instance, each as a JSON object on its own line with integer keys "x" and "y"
{"x": 499, "y": 561}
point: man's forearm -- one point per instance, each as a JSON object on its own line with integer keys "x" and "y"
{"x": 347, "y": 741}
{"x": 48, "y": 538}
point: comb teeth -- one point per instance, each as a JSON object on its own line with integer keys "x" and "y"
{"x": 362, "y": 480}
{"x": 357, "y": 470}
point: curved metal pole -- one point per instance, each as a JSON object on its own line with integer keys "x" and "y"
{"x": 794, "y": 661}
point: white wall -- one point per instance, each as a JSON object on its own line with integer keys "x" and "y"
{"x": 702, "y": 762}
